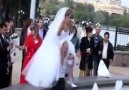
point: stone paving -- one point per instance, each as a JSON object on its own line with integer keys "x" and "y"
{"x": 17, "y": 68}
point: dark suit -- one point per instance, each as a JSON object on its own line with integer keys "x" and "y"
{"x": 110, "y": 53}
{"x": 44, "y": 33}
{"x": 4, "y": 62}
{"x": 95, "y": 40}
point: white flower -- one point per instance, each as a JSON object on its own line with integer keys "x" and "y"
{"x": 14, "y": 36}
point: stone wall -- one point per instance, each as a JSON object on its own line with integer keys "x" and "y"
{"x": 121, "y": 58}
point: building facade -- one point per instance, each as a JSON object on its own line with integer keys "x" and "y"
{"x": 80, "y": 1}
{"x": 115, "y": 2}
{"x": 107, "y": 7}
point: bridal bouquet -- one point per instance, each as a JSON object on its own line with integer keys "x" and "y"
{"x": 15, "y": 40}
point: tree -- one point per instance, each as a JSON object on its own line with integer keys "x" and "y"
{"x": 90, "y": 16}
{"x": 48, "y": 9}
{"x": 69, "y": 3}
{"x": 120, "y": 21}
{"x": 80, "y": 12}
{"x": 90, "y": 7}
{"x": 80, "y": 15}
{"x": 99, "y": 17}
{"x": 125, "y": 12}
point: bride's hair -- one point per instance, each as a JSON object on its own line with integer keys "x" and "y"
{"x": 68, "y": 12}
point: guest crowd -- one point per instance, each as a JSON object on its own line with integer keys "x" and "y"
{"x": 91, "y": 48}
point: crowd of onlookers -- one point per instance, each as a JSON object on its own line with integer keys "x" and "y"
{"x": 91, "y": 47}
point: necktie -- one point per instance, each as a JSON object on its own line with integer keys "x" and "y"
{"x": 5, "y": 39}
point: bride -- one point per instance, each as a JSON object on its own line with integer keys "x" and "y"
{"x": 43, "y": 69}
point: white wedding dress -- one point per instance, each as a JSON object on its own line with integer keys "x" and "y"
{"x": 44, "y": 68}
{"x": 42, "y": 73}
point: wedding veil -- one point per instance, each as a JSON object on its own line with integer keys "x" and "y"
{"x": 43, "y": 68}
{"x": 55, "y": 25}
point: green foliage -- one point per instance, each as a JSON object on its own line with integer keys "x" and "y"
{"x": 120, "y": 21}
{"x": 99, "y": 17}
{"x": 49, "y": 8}
{"x": 83, "y": 12}
{"x": 86, "y": 12}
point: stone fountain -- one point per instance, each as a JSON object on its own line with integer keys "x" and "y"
{"x": 85, "y": 83}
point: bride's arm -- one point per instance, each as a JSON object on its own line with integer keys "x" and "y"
{"x": 60, "y": 29}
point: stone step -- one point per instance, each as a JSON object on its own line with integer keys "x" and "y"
{"x": 85, "y": 82}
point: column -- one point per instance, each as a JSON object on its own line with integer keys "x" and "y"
{"x": 33, "y": 9}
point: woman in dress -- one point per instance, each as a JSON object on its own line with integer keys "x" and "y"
{"x": 23, "y": 36}
{"x": 45, "y": 66}
{"x": 32, "y": 43}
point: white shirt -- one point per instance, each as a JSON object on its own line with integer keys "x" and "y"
{"x": 3, "y": 36}
{"x": 79, "y": 31}
{"x": 104, "y": 53}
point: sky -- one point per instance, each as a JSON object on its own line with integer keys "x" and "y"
{"x": 124, "y": 2}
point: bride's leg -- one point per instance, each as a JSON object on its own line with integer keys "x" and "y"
{"x": 61, "y": 82}
{"x": 70, "y": 76}
{"x": 64, "y": 50}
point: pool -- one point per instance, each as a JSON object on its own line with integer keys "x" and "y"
{"x": 108, "y": 88}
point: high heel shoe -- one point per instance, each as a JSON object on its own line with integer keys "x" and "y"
{"x": 72, "y": 84}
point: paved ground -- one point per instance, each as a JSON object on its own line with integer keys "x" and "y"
{"x": 17, "y": 69}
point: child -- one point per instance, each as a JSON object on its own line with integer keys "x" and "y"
{"x": 69, "y": 70}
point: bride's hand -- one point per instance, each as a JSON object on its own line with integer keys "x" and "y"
{"x": 20, "y": 47}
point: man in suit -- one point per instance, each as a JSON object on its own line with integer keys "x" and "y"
{"x": 95, "y": 40}
{"x": 107, "y": 50}
{"x": 5, "y": 59}
{"x": 42, "y": 30}
{"x": 11, "y": 30}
